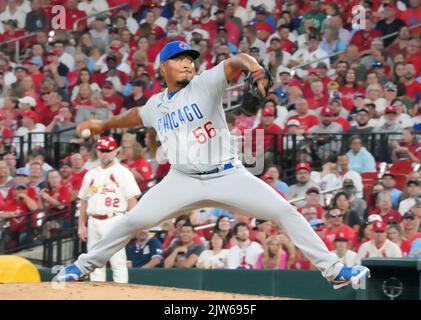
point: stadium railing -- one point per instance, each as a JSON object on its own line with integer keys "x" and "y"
{"x": 76, "y": 23}
{"x": 17, "y": 45}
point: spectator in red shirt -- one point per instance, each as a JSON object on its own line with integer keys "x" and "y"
{"x": 73, "y": 14}
{"x": 134, "y": 158}
{"x": 78, "y": 172}
{"x": 319, "y": 227}
{"x": 412, "y": 86}
{"x": 114, "y": 100}
{"x": 174, "y": 236}
{"x": 286, "y": 44}
{"x": 362, "y": 38}
{"x": 384, "y": 208}
{"x": 6, "y": 134}
{"x": 206, "y": 22}
{"x": 412, "y": 15}
{"x": 335, "y": 225}
{"x": 312, "y": 199}
{"x": 336, "y": 105}
{"x": 65, "y": 169}
{"x": 11, "y": 32}
{"x": 112, "y": 61}
{"x": 319, "y": 99}
{"x": 271, "y": 131}
{"x": 20, "y": 200}
{"x": 306, "y": 119}
{"x": 395, "y": 234}
{"x": 55, "y": 198}
{"x": 410, "y": 225}
{"x": 409, "y": 146}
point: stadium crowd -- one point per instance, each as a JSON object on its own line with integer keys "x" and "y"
{"x": 339, "y": 89}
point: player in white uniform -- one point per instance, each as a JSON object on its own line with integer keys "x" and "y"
{"x": 205, "y": 172}
{"x": 108, "y": 191}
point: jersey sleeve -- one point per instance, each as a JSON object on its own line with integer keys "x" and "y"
{"x": 145, "y": 113}
{"x": 130, "y": 188}
{"x": 83, "y": 192}
{"x": 213, "y": 81}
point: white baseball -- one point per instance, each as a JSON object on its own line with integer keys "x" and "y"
{"x": 86, "y": 133}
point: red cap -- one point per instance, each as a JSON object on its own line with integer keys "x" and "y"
{"x": 30, "y": 114}
{"x": 172, "y": 21}
{"x": 379, "y": 226}
{"x": 266, "y": 177}
{"x": 263, "y": 27}
{"x": 392, "y": 6}
{"x": 327, "y": 111}
{"x": 195, "y": 21}
{"x": 303, "y": 165}
{"x": 340, "y": 235}
{"x": 312, "y": 70}
{"x": 268, "y": 112}
{"x": 108, "y": 85}
{"x": 53, "y": 52}
{"x": 390, "y": 109}
{"x": 106, "y": 143}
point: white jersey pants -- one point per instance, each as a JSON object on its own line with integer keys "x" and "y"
{"x": 234, "y": 189}
{"x": 97, "y": 230}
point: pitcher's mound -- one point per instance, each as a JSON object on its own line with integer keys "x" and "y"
{"x": 111, "y": 291}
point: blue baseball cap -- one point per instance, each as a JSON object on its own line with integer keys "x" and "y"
{"x": 22, "y": 171}
{"x": 176, "y": 47}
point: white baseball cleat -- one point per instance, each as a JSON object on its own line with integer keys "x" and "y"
{"x": 351, "y": 275}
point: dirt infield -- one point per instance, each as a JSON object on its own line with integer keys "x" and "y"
{"x": 112, "y": 291}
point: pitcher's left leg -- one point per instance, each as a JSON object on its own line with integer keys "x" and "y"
{"x": 254, "y": 197}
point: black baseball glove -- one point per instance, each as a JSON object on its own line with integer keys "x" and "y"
{"x": 257, "y": 85}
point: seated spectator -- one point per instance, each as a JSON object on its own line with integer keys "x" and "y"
{"x": 343, "y": 252}
{"x": 271, "y": 133}
{"x": 145, "y": 252}
{"x": 174, "y": 236}
{"x": 312, "y": 203}
{"x": 357, "y": 204}
{"x": 335, "y": 225}
{"x": 185, "y": 252}
{"x": 351, "y": 217}
{"x": 380, "y": 246}
{"x": 246, "y": 253}
{"x": 413, "y": 191}
{"x": 411, "y": 84}
{"x": 274, "y": 172}
{"x": 304, "y": 182}
{"x": 133, "y": 156}
{"x": 362, "y": 125}
{"x": 6, "y": 179}
{"x": 223, "y": 228}
{"x": 342, "y": 165}
{"x": 395, "y": 234}
{"x": 262, "y": 231}
{"x": 410, "y": 225}
{"x": 30, "y": 126}
{"x": 326, "y": 134}
{"x": 20, "y": 200}
{"x": 384, "y": 208}
{"x": 36, "y": 177}
{"x": 216, "y": 256}
{"x": 390, "y": 124}
{"x": 389, "y": 184}
{"x": 61, "y": 126}
{"x": 319, "y": 227}
{"x": 273, "y": 256}
{"x": 309, "y": 212}
{"x": 360, "y": 160}
{"x": 55, "y": 199}
{"x": 38, "y": 156}
{"x": 78, "y": 172}
{"x": 408, "y": 145}
{"x": 306, "y": 119}
{"x": 84, "y": 77}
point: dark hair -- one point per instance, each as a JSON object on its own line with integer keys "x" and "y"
{"x": 79, "y": 81}
{"x": 183, "y": 217}
{"x": 189, "y": 225}
{"x": 336, "y": 197}
{"x": 238, "y": 225}
{"x": 48, "y": 174}
{"x": 224, "y": 240}
{"x": 355, "y": 137}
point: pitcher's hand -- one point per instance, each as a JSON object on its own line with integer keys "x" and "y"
{"x": 96, "y": 127}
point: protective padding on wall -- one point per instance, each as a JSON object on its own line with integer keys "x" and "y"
{"x": 17, "y": 269}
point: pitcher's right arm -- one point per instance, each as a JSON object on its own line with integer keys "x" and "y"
{"x": 128, "y": 119}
